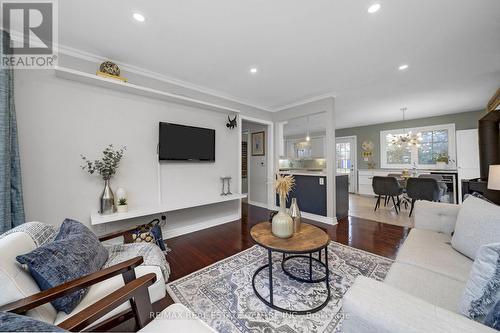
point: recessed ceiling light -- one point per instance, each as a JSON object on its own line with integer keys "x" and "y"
{"x": 139, "y": 17}
{"x": 374, "y": 8}
{"x": 403, "y": 67}
{"x": 254, "y": 70}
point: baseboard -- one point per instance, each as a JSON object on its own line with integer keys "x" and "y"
{"x": 199, "y": 226}
{"x": 314, "y": 217}
{"x": 320, "y": 218}
{"x": 258, "y": 204}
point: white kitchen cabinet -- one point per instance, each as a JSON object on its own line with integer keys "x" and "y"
{"x": 281, "y": 139}
{"x": 365, "y": 178}
{"x": 318, "y": 147}
{"x": 467, "y": 157}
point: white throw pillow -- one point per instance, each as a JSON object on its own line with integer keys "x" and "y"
{"x": 478, "y": 223}
{"x": 482, "y": 291}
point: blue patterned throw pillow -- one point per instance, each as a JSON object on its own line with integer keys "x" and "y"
{"x": 75, "y": 252}
{"x": 10, "y": 322}
{"x": 481, "y": 297}
{"x": 493, "y": 318}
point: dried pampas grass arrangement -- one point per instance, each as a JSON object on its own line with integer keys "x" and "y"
{"x": 284, "y": 184}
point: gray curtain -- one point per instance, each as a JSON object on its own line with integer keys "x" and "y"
{"x": 11, "y": 194}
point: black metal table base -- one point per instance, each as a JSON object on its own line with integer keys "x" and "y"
{"x": 269, "y": 266}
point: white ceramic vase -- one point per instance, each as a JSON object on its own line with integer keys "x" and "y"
{"x": 122, "y": 208}
{"x": 282, "y": 224}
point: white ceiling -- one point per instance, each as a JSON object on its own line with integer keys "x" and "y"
{"x": 306, "y": 48}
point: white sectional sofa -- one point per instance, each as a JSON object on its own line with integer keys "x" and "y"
{"x": 422, "y": 290}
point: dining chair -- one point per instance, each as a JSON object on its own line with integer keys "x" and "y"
{"x": 398, "y": 176}
{"x": 439, "y": 178}
{"x": 388, "y": 187}
{"x": 422, "y": 189}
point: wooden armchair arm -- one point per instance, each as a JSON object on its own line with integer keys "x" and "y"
{"x": 125, "y": 268}
{"x": 116, "y": 234}
{"x": 136, "y": 291}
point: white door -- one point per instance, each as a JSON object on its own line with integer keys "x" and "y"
{"x": 467, "y": 157}
{"x": 346, "y": 153}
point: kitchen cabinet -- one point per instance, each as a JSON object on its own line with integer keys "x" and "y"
{"x": 365, "y": 178}
{"x": 301, "y": 149}
{"x": 310, "y": 192}
{"x": 318, "y": 147}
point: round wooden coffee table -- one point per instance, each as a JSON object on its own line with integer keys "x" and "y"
{"x": 310, "y": 239}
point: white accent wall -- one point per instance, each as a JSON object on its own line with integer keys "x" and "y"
{"x": 59, "y": 119}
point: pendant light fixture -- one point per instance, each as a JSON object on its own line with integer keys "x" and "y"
{"x": 407, "y": 139}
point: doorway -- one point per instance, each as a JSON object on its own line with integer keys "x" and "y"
{"x": 256, "y": 160}
{"x": 346, "y": 160}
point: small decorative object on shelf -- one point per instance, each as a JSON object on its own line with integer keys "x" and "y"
{"x": 282, "y": 223}
{"x": 122, "y": 205}
{"x": 110, "y": 70}
{"x": 106, "y": 167}
{"x": 231, "y": 124}
{"x": 371, "y": 164}
{"x": 226, "y": 180}
{"x": 295, "y": 215}
{"x": 442, "y": 161}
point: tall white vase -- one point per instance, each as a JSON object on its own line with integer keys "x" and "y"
{"x": 282, "y": 224}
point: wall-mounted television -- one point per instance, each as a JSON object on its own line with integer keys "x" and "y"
{"x": 186, "y": 143}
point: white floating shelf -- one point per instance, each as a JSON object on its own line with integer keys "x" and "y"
{"x": 92, "y": 79}
{"x": 96, "y": 218}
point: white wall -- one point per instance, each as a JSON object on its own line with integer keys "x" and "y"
{"x": 59, "y": 119}
{"x": 257, "y": 167}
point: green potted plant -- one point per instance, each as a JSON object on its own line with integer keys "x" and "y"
{"x": 442, "y": 161}
{"x": 106, "y": 167}
{"x": 122, "y": 205}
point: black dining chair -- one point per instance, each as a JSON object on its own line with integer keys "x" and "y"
{"x": 439, "y": 178}
{"x": 388, "y": 187}
{"x": 398, "y": 176}
{"x": 422, "y": 189}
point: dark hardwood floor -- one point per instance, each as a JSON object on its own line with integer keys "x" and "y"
{"x": 196, "y": 250}
{"x": 199, "y": 249}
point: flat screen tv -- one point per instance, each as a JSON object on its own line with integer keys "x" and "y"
{"x": 186, "y": 143}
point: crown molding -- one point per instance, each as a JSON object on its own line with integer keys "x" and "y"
{"x": 303, "y": 101}
{"x": 76, "y": 53}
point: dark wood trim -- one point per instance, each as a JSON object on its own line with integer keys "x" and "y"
{"x": 116, "y": 234}
{"x": 136, "y": 291}
{"x": 126, "y": 268}
{"x": 494, "y": 101}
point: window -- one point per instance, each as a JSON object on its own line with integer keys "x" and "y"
{"x": 436, "y": 141}
{"x": 343, "y": 157}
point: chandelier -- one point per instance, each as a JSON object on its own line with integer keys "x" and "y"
{"x": 408, "y": 139}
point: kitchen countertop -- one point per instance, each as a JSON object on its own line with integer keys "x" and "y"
{"x": 304, "y": 173}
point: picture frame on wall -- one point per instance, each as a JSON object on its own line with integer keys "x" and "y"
{"x": 258, "y": 144}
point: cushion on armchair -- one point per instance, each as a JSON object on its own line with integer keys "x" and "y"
{"x": 10, "y": 322}
{"x": 74, "y": 253}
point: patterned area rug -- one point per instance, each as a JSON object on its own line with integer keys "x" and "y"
{"x": 222, "y": 294}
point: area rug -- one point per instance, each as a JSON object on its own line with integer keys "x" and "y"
{"x": 223, "y": 297}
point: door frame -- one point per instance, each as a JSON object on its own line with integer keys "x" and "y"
{"x": 269, "y": 156}
{"x": 354, "y": 177}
